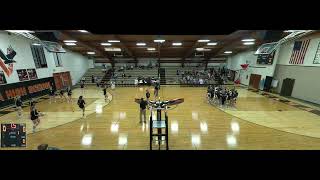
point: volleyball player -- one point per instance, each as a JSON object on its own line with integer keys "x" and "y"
{"x": 147, "y": 95}
{"x": 61, "y": 94}
{"x": 81, "y": 104}
{"x": 19, "y": 105}
{"x": 156, "y": 90}
{"x": 105, "y": 94}
{"x": 32, "y": 103}
{"x": 69, "y": 95}
{"x": 235, "y": 96}
{"x": 52, "y": 95}
{"x": 143, "y": 105}
{"x": 82, "y": 87}
{"x": 34, "y": 114}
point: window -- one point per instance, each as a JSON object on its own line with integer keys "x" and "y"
{"x": 57, "y": 59}
{"x": 38, "y": 56}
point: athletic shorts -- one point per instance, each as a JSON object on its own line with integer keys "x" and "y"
{"x": 34, "y": 118}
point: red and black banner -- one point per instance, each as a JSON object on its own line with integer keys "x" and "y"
{"x": 27, "y": 90}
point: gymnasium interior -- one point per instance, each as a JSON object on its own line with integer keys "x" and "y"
{"x": 243, "y": 90}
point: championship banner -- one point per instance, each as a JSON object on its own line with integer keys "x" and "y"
{"x": 32, "y": 73}
{"x": 27, "y": 90}
{"x": 22, "y": 74}
{"x": 53, "y": 47}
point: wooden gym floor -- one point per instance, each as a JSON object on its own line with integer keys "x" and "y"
{"x": 256, "y": 122}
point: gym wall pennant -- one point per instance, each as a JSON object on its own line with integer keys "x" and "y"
{"x": 6, "y": 61}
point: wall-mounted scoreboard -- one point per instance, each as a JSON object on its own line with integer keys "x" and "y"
{"x": 13, "y": 135}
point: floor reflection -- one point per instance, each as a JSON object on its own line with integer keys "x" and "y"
{"x": 87, "y": 140}
{"x": 196, "y": 140}
{"x": 204, "y": 127}
{"x": 195, "y": 115}
{"x": 174, "y": 127}
{"x": 122, "y": 140}
{"x": 235, "y": 128}
{"x": 231, "y": 141}
{"x": 114, "y": 127}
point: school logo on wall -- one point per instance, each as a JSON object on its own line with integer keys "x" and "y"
{"x": 6, "y": 61}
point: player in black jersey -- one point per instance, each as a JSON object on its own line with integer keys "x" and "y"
{"x": 156, "y": 89}
{"x": 147, "y": 95}
{"x": 34, "y": 114}
{"x": 69, "y": 95}
{"x": 105, "y": 93}
{"x": 18, "y": 103}
{"x": 81, "y": 104}
{"x": 52, "y": 95}
{"x": 61, "y": 94}
{"x": 82, "y": 87}
{"x": 32, "y": 103}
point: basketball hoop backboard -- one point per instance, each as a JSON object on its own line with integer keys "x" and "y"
{"x": 267, "y": 48}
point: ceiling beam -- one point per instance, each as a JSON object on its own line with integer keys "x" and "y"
{"x": 231, "y": 40}
{"x": 122, "y": 46}
{"x": 91, "y": 48}
{"x": 190, "y": 50}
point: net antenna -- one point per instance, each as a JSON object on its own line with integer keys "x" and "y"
{"x": 269, "y": 48}
{"x": 49, "y": 45}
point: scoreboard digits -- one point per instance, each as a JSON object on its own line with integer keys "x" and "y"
{"x": 13, "y": 135}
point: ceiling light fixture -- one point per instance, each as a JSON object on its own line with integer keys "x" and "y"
{"x": 151, "y": 49}
{"x": 83, "y": 31}
{"x": 203, "y": 49}
{"x": 141, "y": 44}
{"x": 248, "y": 40}
{"x": 159, "y": 40}
{"x": 106, "y": 44}
{"x": 203, "y": 40}
{"x": 70, "y": 44}
{"x": 228, "y": 52}
{"x": 91, "y": 53}
{"x": 212, "y": 43}
{"x": 176, "y": 44}
{"x": 70, "y": 41}
{"x": 248, "y": 43}
{"x": 111, "y": 41}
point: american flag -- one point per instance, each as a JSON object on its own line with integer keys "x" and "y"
{"x": 299, "y": 51}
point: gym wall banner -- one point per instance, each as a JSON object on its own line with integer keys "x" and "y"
{"x": 27, "y": 90}
{"x": 2, "y": 78}
{"x": 22, "y": 74}
{"x": 32, "y": 73}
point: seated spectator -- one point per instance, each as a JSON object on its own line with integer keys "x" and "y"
{"x": 200, "y": 81}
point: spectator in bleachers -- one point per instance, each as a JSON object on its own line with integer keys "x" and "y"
{"x": 200, "y": 81}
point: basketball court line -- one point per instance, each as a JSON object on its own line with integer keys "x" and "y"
{"x": 91, "y": 109}
{"x": 307, "y": 121}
